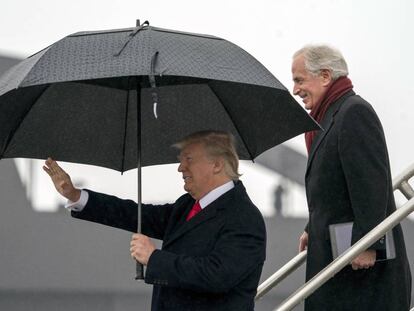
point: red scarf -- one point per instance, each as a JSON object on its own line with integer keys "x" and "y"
{"x": 338, "y": 88}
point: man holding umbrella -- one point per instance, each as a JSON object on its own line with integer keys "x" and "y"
{"x": 214, "y": 237}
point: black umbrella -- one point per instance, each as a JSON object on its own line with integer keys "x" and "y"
{"x": 120, "y": 98}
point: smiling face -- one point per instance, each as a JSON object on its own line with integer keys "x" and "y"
{"x": 201, "y": 173}
{"x": 307, "y": 86}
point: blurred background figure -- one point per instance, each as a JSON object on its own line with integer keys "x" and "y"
{"x": 279, "y": 199}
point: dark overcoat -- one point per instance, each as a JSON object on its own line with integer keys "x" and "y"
{"x": 348, "y": 179}
{"x": 212, "y": 262}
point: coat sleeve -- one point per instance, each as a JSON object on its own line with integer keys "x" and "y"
{"x": 238, "y": 252}
{"x": 115, "y": 212}
{"x": 364, "y": 158}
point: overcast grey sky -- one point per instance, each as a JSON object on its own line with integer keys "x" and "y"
{"x": 376, "y": 38}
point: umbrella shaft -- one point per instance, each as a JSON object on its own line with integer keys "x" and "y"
{"x": 139, "y": 266}
{"x": 139, "y": 130}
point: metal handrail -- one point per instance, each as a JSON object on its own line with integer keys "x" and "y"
{"x": 343, "y": 260}
{"x": 281, "y": 274}
{"x": 399, "y": 183}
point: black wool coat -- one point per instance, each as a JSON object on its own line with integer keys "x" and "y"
{"x": 348, "y": 179}
{"x": 212, "y": 262}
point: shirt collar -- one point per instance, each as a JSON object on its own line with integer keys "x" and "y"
{"x": 216, "y": 193}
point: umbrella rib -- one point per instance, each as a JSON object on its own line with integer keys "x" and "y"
{"x": 125, "y": 128}
{"x": 9, "y": 139}
{"x": 234, "y": 124}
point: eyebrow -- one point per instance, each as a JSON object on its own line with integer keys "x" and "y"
{"x": 182, "y": 155}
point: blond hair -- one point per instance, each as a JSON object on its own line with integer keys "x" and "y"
{"x": 217, "y": 144}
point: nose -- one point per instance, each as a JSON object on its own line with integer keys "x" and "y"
{"x": 296, "y": 89}
{"x": 180, "y": 168}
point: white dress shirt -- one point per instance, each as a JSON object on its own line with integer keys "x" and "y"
{"x": 215, "y": 194}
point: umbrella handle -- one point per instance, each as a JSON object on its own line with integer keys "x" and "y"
{"x": 139, "y": 271}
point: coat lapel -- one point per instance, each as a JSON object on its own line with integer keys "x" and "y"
{"x": 184, "y": 226}
{"x": 326, "y": 125}
{"x": 209, "y": 212}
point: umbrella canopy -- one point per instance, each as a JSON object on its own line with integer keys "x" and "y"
{"x": 86, "y": 97}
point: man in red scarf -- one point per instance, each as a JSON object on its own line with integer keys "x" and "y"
{"x": 347, "y": 179}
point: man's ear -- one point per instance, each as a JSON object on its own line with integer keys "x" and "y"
{"x": 218, "y": 165}
{"x": 326, "y": 76}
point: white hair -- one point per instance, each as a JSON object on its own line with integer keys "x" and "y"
{"x": 320, "y": 57}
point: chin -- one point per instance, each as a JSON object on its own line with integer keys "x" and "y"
{"x": 308, "y": 106}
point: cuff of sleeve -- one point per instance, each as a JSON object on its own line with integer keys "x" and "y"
{"x": 152, "y": 274}
{"x": 379, "y": 245}
{"x": 80, "y": 204}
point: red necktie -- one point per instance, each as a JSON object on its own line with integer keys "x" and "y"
{"x": 196, "y": 208}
